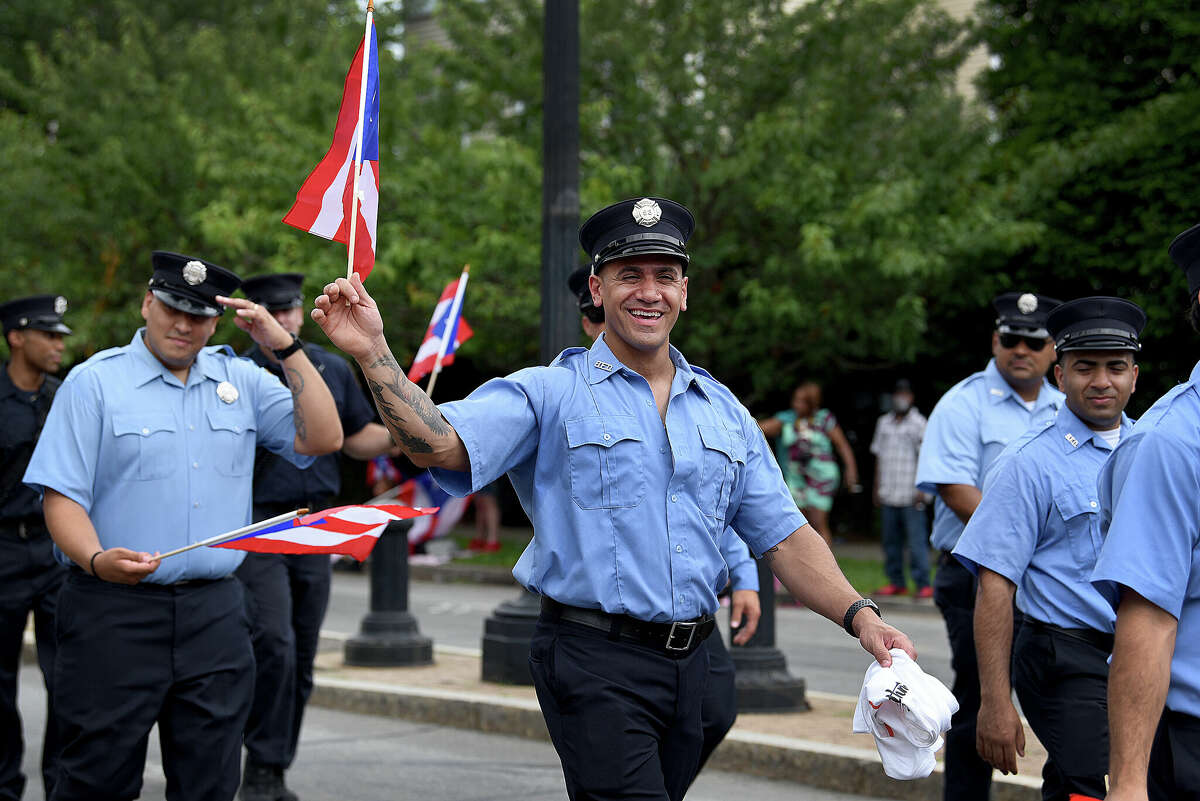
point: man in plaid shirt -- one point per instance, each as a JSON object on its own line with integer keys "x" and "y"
{"x": 896, "y": 444}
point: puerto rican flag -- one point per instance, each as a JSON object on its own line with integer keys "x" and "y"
{"x": 350, "y": 530}
{"x": 446, "y": 317}
{"x": 422, "y": 491}
{"x": 323, "y": 203}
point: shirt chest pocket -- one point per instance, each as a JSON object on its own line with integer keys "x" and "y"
{"x": 149, "y": 441}
{"x": 605, "y": 456}
{"x": 230, "y": 446}
{"x": 1079, "y": 509}
{"x": 723, "y": 452}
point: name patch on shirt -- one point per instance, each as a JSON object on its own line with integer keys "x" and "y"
{"x": 995, "y": 391}
{"x": 604, "y": 366}
{"x": 1071, "y": 439}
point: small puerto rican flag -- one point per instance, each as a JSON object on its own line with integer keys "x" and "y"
{"x": 447, "y": 317}
{"x": 350, "y": 530}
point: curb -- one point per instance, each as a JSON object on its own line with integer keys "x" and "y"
{"x": 830, "y": 767}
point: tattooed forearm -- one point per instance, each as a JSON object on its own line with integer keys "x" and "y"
{"x": 296, "y": 384}
{"x": 412, "y": 396}
{"x": 395, "y": 423}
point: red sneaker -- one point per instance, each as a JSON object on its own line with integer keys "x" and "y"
{"x": 891, "y": 589}
{"x": 925, "y": 592}
{"x": 490, "y": 547}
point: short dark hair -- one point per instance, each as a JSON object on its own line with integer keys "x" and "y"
{"x": 1193, "y": 314}
{"x": 594, "y": 313}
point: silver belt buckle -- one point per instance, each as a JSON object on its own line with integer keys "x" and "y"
{"x": 678, "y": 627}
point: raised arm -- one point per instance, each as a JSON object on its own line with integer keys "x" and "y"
{"x": 318, "y": 428}
{"x": 350, "y": 318}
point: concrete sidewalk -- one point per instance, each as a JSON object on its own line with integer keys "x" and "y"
{"x": 813, "y": 748}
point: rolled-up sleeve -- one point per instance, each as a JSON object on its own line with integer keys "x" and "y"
{"x": 498, "y": 424}
{"x": 765, "y": 513}
{"x": 950, "y": 452}
{"x": 1152, "y": 509}
{"x": 68, "y": 449}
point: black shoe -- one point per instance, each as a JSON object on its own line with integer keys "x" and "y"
{"x": 264, "y": 783}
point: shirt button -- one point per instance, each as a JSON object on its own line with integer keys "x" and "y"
{"x": 662, "y": 450}
{"x": 649, "y": 402}
{"x": 1093, "y": 504}
{"x": 237, "y": 428}
{"x": 680, "y": 599}
{"x": 195, "y": 465}
{"x": 607, "y": 437}
{"x": 145, "y": 431}
{"x": 196, "y": 505}
{"x": 674, "y": 498}
{"x": 191, "y": 428}
{"x": 678, "y": 549}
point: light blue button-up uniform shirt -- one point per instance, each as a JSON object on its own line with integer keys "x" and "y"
{"x": 967, "y": 430}
{"x": 627, "y": 513}
{"x": 1038, "y": 524}
{"x": 1150, "y": 518}
{"x": 157, "y": 464}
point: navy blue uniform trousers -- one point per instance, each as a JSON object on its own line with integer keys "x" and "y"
{"x": 131, "y": 656}
{"x": 1062, "y": 684}
{"x": 30, "y": 579}
{"x": 624, "y": 718}
{"x": 718, "y": 710}
{"x": 1174, "y": 773}
{"x": 286, "y": 599}
{"x": 967, "y": 777}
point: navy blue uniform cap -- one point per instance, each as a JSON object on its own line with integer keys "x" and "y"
{"x": 277, "y": 291}
{"x": 189, "y": 284}
{"x": 1023, "y": 313}
{"x": 1097, "y": 323}
{"x": 637, "y": 227}
{"x": 39, "y": 312}
{"x": 1185, "y": 250}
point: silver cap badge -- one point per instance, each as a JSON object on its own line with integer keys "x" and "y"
{"x": 227, "y": 392}
{"x": 60, "y": 305}
{"x": 647, "y": 212}
{"x": 194, "y": 272}
{"x": 1027, "y": 303}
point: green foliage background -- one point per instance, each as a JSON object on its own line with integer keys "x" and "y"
{"x": 855, "y": 213}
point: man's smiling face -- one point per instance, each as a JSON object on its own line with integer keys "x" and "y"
{"x": 642, "y": 297}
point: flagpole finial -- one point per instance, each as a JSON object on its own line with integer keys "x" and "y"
{"x": 466, "y": 268}
{"x": 370, "y": 6}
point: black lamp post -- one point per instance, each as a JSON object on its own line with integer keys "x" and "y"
{"x": 506, "y": 634}
{"x": 389, "y": 636}
{"x": 762, "y": 678}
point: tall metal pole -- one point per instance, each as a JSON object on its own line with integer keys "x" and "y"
{"x": 506, "y": 634}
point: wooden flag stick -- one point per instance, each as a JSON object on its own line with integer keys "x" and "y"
{"x": 358, "y": 145}
{"x": 238, "y": 532}
{"x": 449, "y": 334}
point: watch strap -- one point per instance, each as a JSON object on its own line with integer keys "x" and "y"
{"x": 855, "y": 608}
{"x": 289, "y": 350}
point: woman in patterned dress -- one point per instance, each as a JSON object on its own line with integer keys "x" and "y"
{"x": 806, "y": 437}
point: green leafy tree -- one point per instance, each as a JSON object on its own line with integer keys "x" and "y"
{"x": 1099, "y": 144}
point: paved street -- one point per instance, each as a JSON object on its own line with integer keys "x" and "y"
{"x": 347, "y": 757}
{"x": 816, "y": 650}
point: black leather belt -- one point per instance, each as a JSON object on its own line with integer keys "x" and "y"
{"x": 1096, "y": 639}
{"x": 24, "y": 527}
{"x": 674, "y": 639}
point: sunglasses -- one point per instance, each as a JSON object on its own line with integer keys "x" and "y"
{"x": 1010, "y": 341}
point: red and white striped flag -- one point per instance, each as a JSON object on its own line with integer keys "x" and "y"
{"x": 350, "y": 530}
{"x": 323, "y": 204}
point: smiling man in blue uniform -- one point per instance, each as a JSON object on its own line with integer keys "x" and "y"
{"x": 1036, "y": 534}
{"x": 149, "y": 447}
{"x": 631, "y": 463}
{"x": 1149, "y": 571}
{"x": 967, "y": 429}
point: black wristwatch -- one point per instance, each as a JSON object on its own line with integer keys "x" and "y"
{"x": 855, "y": 608}
{"x": 289, "y": 350}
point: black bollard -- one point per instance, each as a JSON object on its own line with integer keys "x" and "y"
{"x": 389, "y": 636}
{"x": 506, "y": 636}
{"x": 762, "y": 679}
